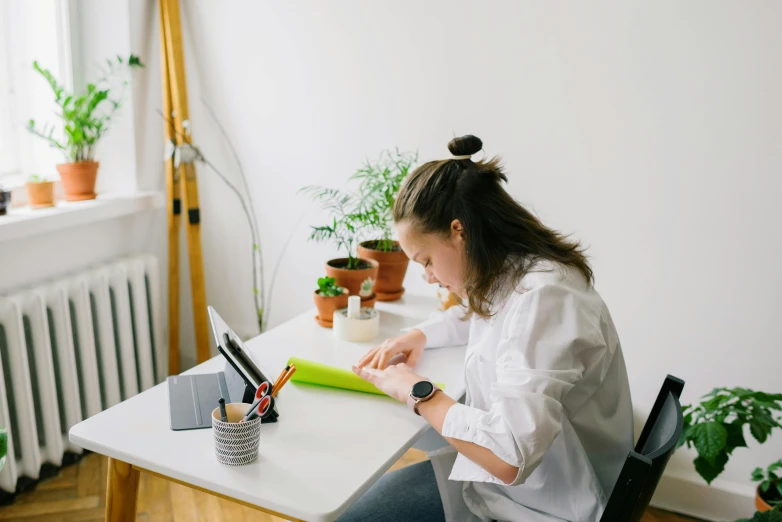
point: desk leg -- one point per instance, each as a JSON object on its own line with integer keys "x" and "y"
{"x": 122, "y": 492}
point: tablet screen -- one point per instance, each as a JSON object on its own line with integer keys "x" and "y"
{"x": 234, "y": 350}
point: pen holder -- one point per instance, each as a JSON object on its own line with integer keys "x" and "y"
{"x": 236, "y": 443}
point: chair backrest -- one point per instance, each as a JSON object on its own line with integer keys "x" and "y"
{"x": 643, "y": 467}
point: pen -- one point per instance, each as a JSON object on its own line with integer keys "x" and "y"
{"x": 284, "y": 380}
{"x": 223, "y": 416}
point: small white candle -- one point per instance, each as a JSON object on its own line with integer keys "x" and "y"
{"x": 354, "y": 306}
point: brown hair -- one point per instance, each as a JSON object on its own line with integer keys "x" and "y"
{"x": 495, "y": 225}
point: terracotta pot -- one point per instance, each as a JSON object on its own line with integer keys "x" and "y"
{"x": 78, "y": 179}
{"x": 369, "y": 302}
{"x": 5, "y": 201}
{"x": 391, "y": 275}
{"x": 40, "y": 195}
{"x": 359, "y": 281}
{"x": 760, "y": 504}
{"x": 326, "y": 307}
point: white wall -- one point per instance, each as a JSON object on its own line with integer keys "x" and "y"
{"x": 650, "y": 130}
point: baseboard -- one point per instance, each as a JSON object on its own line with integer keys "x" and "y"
{"x": 690, "y": 495}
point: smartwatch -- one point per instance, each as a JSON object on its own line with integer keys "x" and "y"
{"x": 422, "y": 391}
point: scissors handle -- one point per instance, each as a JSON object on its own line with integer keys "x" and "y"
{"x": 262, "y": 409}
{"x": 263, "y": 390}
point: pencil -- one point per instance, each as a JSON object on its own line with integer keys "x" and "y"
{"x": 284, "y": 380}
{"x": 278, "y": 381}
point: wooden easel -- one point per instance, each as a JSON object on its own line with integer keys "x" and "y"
{"x": 181, "y": 187}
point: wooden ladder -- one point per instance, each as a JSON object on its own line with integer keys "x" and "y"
{"x": 181, "y": 187}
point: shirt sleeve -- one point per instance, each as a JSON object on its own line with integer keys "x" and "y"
{"x": 445, "y": 328}
{"x": 537, "y": 364}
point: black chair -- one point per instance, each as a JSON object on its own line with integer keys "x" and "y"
{"x": 644, "y": 466}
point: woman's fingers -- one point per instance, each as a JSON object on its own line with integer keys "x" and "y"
{"x": 367, "y": 357}
{"x": 412, "y": 359}
{"x": 385, "y": 356}
{"x": 368, "y": 374}
{"x": 376, "y": 359}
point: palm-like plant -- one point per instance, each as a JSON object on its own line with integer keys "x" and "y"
{"x": 347, "y": 223}
{"x": 379, "y": 186}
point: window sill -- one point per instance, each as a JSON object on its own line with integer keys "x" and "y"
{"x": 24, "y": 222}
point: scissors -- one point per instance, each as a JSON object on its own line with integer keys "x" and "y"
{"x": 263, "y": 404}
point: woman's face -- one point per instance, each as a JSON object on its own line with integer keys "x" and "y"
{"x": 444, "y": 259}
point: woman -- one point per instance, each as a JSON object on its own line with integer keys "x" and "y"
{"x": 547, "y": 419}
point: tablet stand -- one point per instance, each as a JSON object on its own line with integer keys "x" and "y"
{"x": 241, "y": 390}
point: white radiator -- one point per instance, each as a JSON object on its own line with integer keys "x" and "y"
{"x": 69, "y": 349}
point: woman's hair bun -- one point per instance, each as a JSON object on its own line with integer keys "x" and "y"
{"x": 465, "y": 145}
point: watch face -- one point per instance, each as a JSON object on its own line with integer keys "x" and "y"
{"x": 422, "y": 389}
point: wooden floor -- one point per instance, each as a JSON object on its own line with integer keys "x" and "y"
{"x": 78, "y": 493}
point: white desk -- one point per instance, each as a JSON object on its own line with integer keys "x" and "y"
{"x": 325, "y": 451}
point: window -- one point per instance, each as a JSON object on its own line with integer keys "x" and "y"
{"x": 30, "y": 31}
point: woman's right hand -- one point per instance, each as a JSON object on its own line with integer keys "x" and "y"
{"x": 411, "y": 345}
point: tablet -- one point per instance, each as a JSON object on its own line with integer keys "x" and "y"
{"x": 233, "y": 349}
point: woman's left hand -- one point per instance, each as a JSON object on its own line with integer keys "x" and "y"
{"x": 396, "y": 381}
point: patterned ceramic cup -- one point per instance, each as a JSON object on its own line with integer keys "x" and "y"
{"x": 236, "y": 443}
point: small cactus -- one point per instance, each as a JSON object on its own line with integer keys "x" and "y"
{"x": 366, "y": 287}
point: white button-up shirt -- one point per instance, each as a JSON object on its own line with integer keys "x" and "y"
{"x": 547, "y": 391}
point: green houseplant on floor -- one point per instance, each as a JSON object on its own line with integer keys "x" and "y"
{"x": 380, "y": 182}
{"x": 769, "y": 493}
{"x": 3, "y": 446}
{"x": 86, "y": 118}
{"x": 773, "y": 515}
{"x": 715, "y": 427}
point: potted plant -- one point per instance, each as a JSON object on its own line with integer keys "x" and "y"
{"x": 356, "y": 274}
{"x": 379, "y": 186}
{"x": 85, "y": 119}
{"x": 3, "y": 446}
{"x": 769, "y": 492}
{"x": 329, "y": 297}
{"x": 772, "y": 515}
{"x": 40, "y": 192}
{"x": 5, "y": 200}
{"x": 715, "y": 427}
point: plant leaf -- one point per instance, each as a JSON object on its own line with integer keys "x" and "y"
{"x": 758, "y": 429}
{"x": 3, "y": 446}
{"x": 735, "y": 435}
{"x": 710, "y": 439}
{"x": 710, "y": 471}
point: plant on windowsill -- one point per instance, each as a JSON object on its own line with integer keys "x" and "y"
{"x": 85, "y": 120}
{"x": 329, "y": 297}
{"x": 40, "y": 192}
{"x": 715, "y": 426}
{"x": 379, "y": 185}
{"x": 5, "y": 200}
{"x": 769, "y": 492}
{"x": 356, "y": 274}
